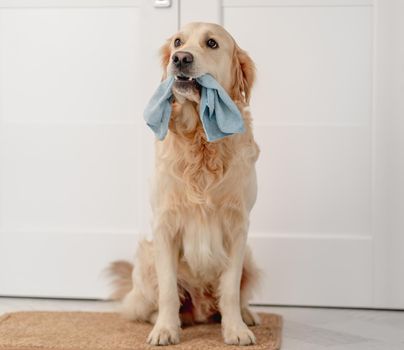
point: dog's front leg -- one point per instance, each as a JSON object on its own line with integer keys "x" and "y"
{"x": 166, "y": 328}
{"x": 235, "y": 331}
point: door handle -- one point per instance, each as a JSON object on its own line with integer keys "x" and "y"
{"x": 162, "y": 3}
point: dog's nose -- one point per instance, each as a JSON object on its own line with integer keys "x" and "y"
{"x": 182, "y": 59}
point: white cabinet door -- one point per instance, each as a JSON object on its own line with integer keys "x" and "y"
{"x": 318, "y": 229}
{"x": 74, "y": 76}
{"x": 312, "y": 113}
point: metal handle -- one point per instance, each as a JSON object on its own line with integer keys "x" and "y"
{"x": 162, "y": 3}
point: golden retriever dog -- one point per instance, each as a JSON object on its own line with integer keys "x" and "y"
{"x": 198, "y": 267}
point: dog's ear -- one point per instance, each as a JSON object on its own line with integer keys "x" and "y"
{"x": 243, "y": 75}
{"x": 165, "y": 54}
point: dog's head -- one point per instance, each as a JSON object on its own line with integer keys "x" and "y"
{"x": 201, "y": 48}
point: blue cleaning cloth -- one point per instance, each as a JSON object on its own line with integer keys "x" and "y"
{"x": 219, "y": 114}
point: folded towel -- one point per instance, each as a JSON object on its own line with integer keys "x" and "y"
{"x": 219, "y": 114}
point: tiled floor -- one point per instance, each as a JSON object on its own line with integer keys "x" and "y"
{"x": 304, "y": 328}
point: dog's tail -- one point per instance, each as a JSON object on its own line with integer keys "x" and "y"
{"x": 120, "y": 273}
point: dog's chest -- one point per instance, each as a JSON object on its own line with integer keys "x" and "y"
{"x": 203, "y": 247}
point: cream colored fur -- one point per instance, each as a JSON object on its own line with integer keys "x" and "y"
{"x": 198, "y": 264}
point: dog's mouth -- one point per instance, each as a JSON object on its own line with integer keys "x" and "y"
{"x": 186, "y": 85}
{"x": 184, "y": 78}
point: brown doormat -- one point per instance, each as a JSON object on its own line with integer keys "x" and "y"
{"x": 108, "y": 331}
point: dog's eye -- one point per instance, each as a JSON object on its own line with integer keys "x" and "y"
{"x": 212, "y": 44}
{"x": 177, "y": 42}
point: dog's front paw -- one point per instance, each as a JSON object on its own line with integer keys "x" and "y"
{"x": 164, "y": 335}
{"x": 238, "y": 335}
